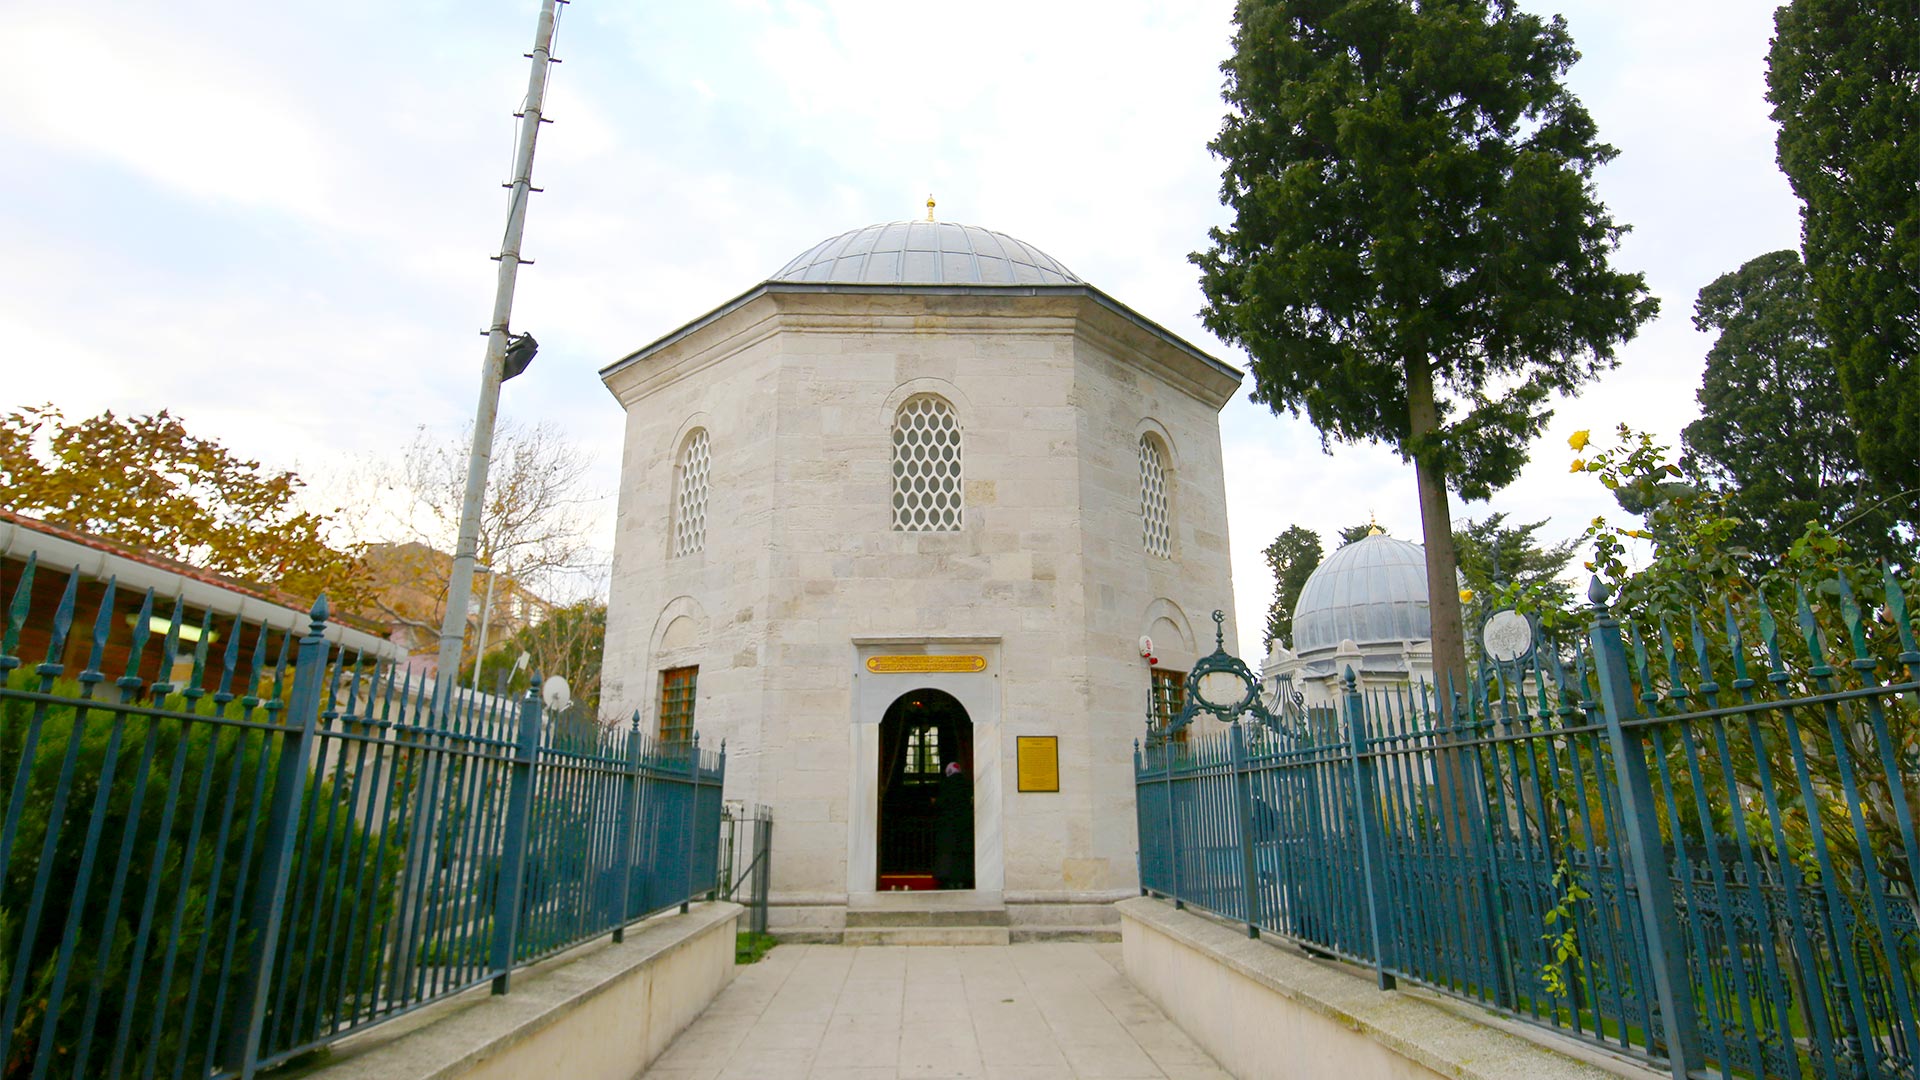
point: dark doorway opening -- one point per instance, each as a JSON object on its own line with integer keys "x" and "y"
{"x": 926, "y": 793}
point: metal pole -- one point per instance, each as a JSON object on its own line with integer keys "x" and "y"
{"x": 692, "y": 821}
{"x": 460, "y": 585}
{"x": 509, "y": 886}
{"x": 1646, "y": 852}
{"x": 629, "y": 825}
{"x": 269, "y": 902}
{"x": 1372, "y": 874}
{"x": 486, "y": 609}
{"x": 1243, "y": 807}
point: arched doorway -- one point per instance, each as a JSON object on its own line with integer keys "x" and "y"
{"x": 926, "y": 805}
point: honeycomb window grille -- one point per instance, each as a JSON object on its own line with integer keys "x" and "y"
{"x": 1155, "y": 528}
{"x": 926, "y": 466}
{"x": 690, "y": 495}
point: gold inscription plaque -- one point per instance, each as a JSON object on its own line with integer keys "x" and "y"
{"x": 925, "y": 665}
{"x": 1039, "y": 762}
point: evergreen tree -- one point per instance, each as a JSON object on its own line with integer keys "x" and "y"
{"x": 1293, "y": 556}
{"x": 1773, "y": 435}
{"x": 1494, "y": 555}
{"x": 1417, "y": 254}
{"x": 1844, "y": 80}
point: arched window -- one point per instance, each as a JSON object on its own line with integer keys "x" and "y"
{"x": 1156, "y": 530}
{"x": 690, "y": 495}
{"x": 926, "y": 466}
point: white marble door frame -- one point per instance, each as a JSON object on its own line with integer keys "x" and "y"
{"x": 979, "y": 694}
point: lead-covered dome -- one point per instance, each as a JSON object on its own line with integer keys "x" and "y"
{"x": 1373, "y": 590}
{"x": 926, "y": 253}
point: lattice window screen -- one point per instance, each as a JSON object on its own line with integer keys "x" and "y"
{"x": 1156, "y": 531}
{"x": 926, "y": 466}
{"x": 690, "y": 496}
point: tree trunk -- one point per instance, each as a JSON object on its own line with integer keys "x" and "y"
{"x": 1453, "y": 766}
{"x": 1436, "y": 526}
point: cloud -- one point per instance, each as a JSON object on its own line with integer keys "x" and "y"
{"x": 169, "y": 108}
{"x": 277, "y": 218}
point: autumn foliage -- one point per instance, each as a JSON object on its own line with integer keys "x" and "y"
{"x": 148, "y": 483}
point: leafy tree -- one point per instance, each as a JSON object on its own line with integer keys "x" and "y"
{"x": 1292, "y": 557}
{"x": 1417, "y": 254}
{"x": 146, "y": 482}
{"x": 1844, "y": 80}
{"x": 568, "y": 643}
{"x": 533, "y": 521}
{"x": 1773, "y": 435}
{"x": 1494, "y": 554}
{"x": 1687, "y": 570}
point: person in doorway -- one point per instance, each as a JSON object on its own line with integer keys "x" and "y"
{"x": 953, "y": 830}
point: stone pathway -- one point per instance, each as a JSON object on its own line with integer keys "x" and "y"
{"x": 1039, "y": 1011}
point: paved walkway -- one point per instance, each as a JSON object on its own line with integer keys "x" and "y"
{"x": 1011, "y": 1012}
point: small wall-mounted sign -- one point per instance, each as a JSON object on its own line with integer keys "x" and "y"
{"x": 1038, "y": 759}
{"x": 925, "y": 665}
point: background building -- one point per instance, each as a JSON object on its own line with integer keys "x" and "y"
{"x": 1365, "y": 607}
{"x": 410, "y": 594}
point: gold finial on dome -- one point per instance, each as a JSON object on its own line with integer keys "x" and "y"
{"x": 1373, "y": 525}
{"x": 929, "y": 208}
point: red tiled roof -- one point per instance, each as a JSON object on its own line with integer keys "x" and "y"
{"x": 172, "y": 566}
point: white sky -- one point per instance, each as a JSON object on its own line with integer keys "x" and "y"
{"x": 275, "y": 219}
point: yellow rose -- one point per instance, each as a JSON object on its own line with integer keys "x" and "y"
{"x": 1580, "y": 439}
{"x": 1579, "y": 465}
{"x": 1466, "y": 596}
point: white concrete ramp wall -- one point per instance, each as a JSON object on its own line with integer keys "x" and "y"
{"x": 1266, "y": 1011}
{"x": 602, "y": 1013}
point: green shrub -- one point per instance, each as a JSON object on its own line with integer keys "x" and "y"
{"x": 182, "y": 837}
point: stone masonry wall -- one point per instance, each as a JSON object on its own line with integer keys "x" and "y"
{"x": 798, "y": 392}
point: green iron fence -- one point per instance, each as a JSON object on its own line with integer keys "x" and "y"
{"x": 291, "y": 843}
{"x": 1697, "y": 849}
{"x": 746, "y": 861}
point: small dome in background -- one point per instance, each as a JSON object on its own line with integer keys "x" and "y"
{"x": 1371, "y": 591}
{"x": 925, "y": 253}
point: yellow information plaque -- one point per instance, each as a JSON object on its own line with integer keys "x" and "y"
{"x": 1039, "y": 762}
{"x": 925, "y": 665}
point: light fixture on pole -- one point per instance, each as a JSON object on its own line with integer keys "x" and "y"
{"x": 520, "y": 352}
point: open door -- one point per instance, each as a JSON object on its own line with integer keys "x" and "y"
{"x": 926, "y": 794}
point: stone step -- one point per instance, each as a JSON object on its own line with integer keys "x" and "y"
{"x": 925, "y": 935}
{"x": 1045, "y": 932}
{"x": 865, "y": 918}
{"x": 940, "y": 908}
